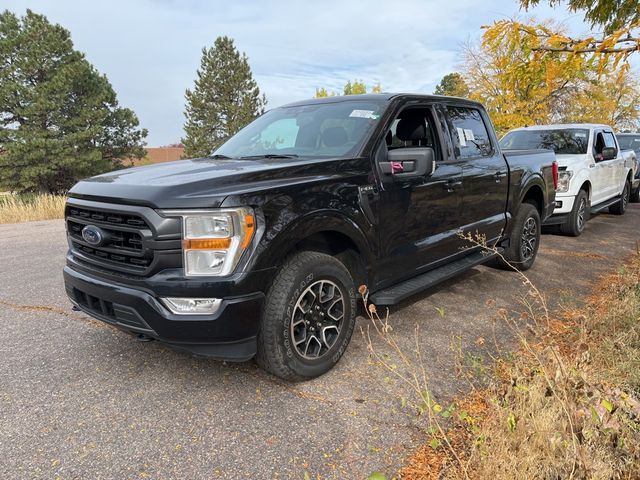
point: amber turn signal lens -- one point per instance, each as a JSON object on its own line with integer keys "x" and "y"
{"x": 251, "y": 226}
{"x": 206, "y": 244}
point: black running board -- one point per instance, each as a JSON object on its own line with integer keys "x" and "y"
{"x": 601, "y": 206}
{"x": 400, "y": 291}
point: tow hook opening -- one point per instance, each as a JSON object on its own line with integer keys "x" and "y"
{"x": 141, "y": 337}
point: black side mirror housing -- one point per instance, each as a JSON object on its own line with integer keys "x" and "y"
{"x": 405, "y": 163}
{"x": 609, "y": 153}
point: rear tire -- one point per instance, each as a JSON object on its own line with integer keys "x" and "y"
{"x": 620, "y": 206}
{"x": 635, "y": 196}
{"x": 579, "y": 216}
{"x": 524, "y": 240}
{"x": 308, "y": 317}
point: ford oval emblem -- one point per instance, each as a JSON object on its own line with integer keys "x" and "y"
{"x": 92, "y": 235}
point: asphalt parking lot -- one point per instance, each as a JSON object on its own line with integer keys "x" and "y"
{"x": 79, "y": 399}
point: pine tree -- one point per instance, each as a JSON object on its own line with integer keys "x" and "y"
{"x": 59, "y": 118}
{"x": 452, "y": 85}
{"x": 225, "y": 98}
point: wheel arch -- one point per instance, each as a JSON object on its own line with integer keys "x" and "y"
{"x": 535, "y": 195}
{"x": 328, "y": 232}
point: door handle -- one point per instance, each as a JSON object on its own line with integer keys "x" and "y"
{"x": 499, "y": 175}
{"x": 450, "y": 185}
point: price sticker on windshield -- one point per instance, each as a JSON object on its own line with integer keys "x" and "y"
{"x": 364, "y": 114}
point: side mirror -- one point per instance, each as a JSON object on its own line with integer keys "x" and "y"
{"x": 405, "y": 163}
{"x": 609, "y": 153}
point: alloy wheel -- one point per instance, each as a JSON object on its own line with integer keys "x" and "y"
{"x": 582, "y": 213}
{"x": 529, "y": 239}
{"x": 317, "y": 319}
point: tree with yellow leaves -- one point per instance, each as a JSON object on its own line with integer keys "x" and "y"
{"x": 619, "y": 19}
{"x": 523, "y": 84}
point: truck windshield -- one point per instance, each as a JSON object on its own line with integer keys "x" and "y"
{"x": 630, "y": 142}
{"x": 561, "y": 141}
{"x": 336, "y": 129}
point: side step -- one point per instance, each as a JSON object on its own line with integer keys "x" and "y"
{"x": 396, "y": 293}
{"x": 601, "y": 206}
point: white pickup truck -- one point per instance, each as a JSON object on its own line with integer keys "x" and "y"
{"x": 594, "y": 173}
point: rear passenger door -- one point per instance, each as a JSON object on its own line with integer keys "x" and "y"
{"x": 485, "y": 172}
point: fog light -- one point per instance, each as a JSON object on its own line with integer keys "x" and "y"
{"x": 192, "y": 306}
{"x": 558, "y": 204}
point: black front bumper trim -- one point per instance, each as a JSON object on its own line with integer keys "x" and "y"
{"x": 229, "y": 334}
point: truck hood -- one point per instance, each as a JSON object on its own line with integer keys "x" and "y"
{"x": 573, "y": 162}
{"x": 204, "y": 182}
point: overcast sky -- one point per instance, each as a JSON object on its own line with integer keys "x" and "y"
{"x": 150, "y": 49}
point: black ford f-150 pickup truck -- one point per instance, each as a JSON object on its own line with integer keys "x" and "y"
{"x": 259, "y": 249}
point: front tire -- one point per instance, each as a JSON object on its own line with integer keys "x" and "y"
{"x": 524, "y": 239}
{"x": 621, "y": 205}
{"x": 308, "y": 317}
{"x": 577, "y": 219}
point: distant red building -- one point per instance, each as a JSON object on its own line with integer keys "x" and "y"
{"x": 158, "y": 155}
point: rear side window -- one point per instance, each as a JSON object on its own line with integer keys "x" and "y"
{"x": 470, "y": 132}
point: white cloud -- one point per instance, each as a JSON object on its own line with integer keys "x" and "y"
{"x": 150, "y": 50}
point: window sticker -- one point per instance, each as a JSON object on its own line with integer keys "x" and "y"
{"x": 363, "y": 114}
{"x": 463, "y": 142}
{"x": 468, "y": 134}
{"x": 580, "y": 134}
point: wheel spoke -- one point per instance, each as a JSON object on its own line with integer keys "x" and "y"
{"x": 331, "y": 314}
{"x": 331, "y": 331}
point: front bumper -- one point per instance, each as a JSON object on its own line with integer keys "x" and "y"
{"x": 564, "y": 206}
{"x": 229, "y": 334}
{"x": 564, "y": 203}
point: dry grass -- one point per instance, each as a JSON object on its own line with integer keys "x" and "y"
{"x": 566, "y": 405}
{"x": 16, "y": 209}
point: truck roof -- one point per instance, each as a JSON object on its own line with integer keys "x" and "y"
{"x": 381, "y": 96}
{"x": 561, "y": 126}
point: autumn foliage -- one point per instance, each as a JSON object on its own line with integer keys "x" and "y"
{"x": 525, "y": 76}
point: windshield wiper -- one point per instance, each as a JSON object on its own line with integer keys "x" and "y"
{"x": 218, "y": 156}
{"x": 273, "y": 155}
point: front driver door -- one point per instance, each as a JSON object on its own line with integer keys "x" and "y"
{"x": 602, "y": 174}
{"x": 418, "y": 218}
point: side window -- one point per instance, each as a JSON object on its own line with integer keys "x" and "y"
{"x": 609, "y": 141}
{"x": 598, "y": 144}
{"x": 412, "y": 128}
{"x": 470, "y": 132}
{"x": 280, "y": 134}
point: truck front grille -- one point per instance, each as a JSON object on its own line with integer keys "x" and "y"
{"x": 124, "y": 247}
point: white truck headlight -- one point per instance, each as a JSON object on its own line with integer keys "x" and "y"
{"x": 564, "y": 177}
{"x": 213, "y": 241}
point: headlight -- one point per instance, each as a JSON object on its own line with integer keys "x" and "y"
{"x": 564, "y": 178}
{"x": 213, "y": 241}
